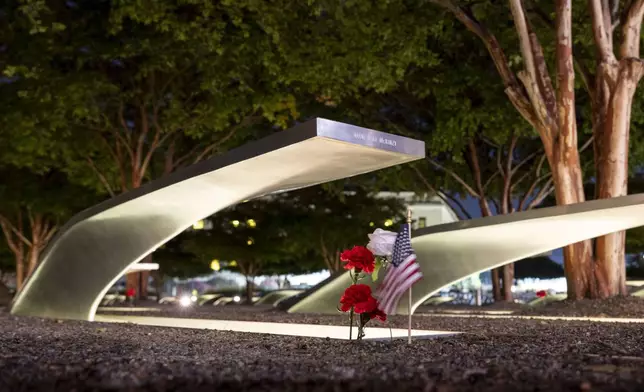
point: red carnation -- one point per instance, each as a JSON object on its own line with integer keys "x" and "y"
{"x": 359, "y": 297}
{"x": 359, "y": 258}
{"x": 379, "y": 314}
{"x": 541, "y": 293}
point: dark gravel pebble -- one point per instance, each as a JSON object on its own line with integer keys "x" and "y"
{"x": 495, "y": 355}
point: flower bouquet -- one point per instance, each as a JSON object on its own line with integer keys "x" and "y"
{"x": 361, "y": 262}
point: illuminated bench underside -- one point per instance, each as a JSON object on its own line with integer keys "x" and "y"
{"x": 451, "y": 252}
{"x": 98, "y": 245}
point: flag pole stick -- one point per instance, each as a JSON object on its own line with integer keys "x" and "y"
{"x": 409, "y": 305}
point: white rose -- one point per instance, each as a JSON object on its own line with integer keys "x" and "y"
{"x": 381, "y": 242}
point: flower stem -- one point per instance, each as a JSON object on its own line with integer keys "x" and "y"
{"x": 354, "y": 280}
{"x": 351, "y": 324}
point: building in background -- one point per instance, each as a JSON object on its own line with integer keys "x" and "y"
{"x": 426, "y": 210}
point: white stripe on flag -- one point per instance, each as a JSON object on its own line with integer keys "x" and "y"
{"x": 394, "y": 271}
{"x": 392, "y": 304}
{"x": 397, "y": 290}
{"x": 399, "y": 280}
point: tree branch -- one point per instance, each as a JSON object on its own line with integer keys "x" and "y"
{"x": 566, "y": 73}
{"x": 127, "y": 141}
{"x": 537, "y": 80}
{"x": 587, "y": 144}
{"x": 631, "y": 30}
{"x": 476, "y": 168}
{"x": 530, "y": 191}
{"x": 458, "y": 178}
{"x": 145, "y": 129}
{"x": 443, "y": 195}
{"x": 586, "y": 76}
{"x": 546, "y": 190}
{"x": 513, "y": 88}
{"x": 49, "y": 233}
{"x": 520, "y": 180}
{"x": 126, "y": 129}
{"x": 490, "y": 179}
{"x": 5, "y": 222}
{"x": 496, "y": 205}
{"x": 602, "y": 33}
{"x": 101, "y": 177}
{"x": 523, "y": 162}
{"x": 247, "y": 121}
{"x": 463, "y": 211}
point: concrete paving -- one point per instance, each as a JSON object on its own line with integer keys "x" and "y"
{"x": 305, "y": 330}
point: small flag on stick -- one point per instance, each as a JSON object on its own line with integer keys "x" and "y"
{"x": 401, "y": 275}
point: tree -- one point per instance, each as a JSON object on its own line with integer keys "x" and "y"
{"x": 551, "y": 110}
{"x": 175, "y": 82}
{"x": 33, "y": 103}
{"x": 475, "y": 149}
{"x": 540, "y": 267}
{"x": 32, "y": 208}
{"x": 294, "y": 232}
{"x": 7, "y": 266}
{"x": 248, "y": 238}
{"x": 635, "y": 267}
{"x": 174, "y": 261}
{"x": 337, "y": 217}
{"x": 144, "y": 90}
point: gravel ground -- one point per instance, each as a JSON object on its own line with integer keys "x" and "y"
{"x": 630, "y": 307}
{"x": 494, "y": 355}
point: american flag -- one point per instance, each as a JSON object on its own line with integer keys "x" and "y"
{"x": 401, "y": 275}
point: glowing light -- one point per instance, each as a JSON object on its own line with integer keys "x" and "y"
{"x": 233, "y": 263}
{"x": 185, "y": 301}
{"x": 251, "y": 223}
{"x": 236, "y": 298}
{"x": 371, "y": 224}
{"x": 214, "y": 265}
{"x": 250, "y": 241}
{"x": 235, "y": 223}
{"x": 193, "y": 298}
{"x": 389, "y": 222}
{"x": 199, "y": 225}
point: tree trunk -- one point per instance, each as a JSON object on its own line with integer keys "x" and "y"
{"x": 496, "y": 272}
{"x": 496, "y": 285}
{"x": 158, "y": 279}
{"x": 249, "y": 290}
{"x": 578, "y": 258}
{"x": 613, "y": 131}
{"x": 20, "y": 272}
{"x": 508, "y": 282}
{"x": 32, "y": 263}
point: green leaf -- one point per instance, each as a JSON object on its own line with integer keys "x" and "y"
{"x": 376, "y": 269}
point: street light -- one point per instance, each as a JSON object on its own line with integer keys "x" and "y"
{"x": 214, "y": 265}
{"x": 251, "y": 223}
{"x": 185, "y": 301}
{"x": 199, "y": 225}
{"x": 389, "y": 222}
{"x": 235, "y": 223}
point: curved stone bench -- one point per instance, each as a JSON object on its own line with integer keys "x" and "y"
{"x": 451, "y": 252}
{"x": 98, "y": 245}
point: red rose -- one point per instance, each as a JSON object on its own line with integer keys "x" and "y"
{"x": 379, "y": 314}
{"x": 359, "y": 258}
{"x": 359, "y": 297}
{"x": 541, "y": 293}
